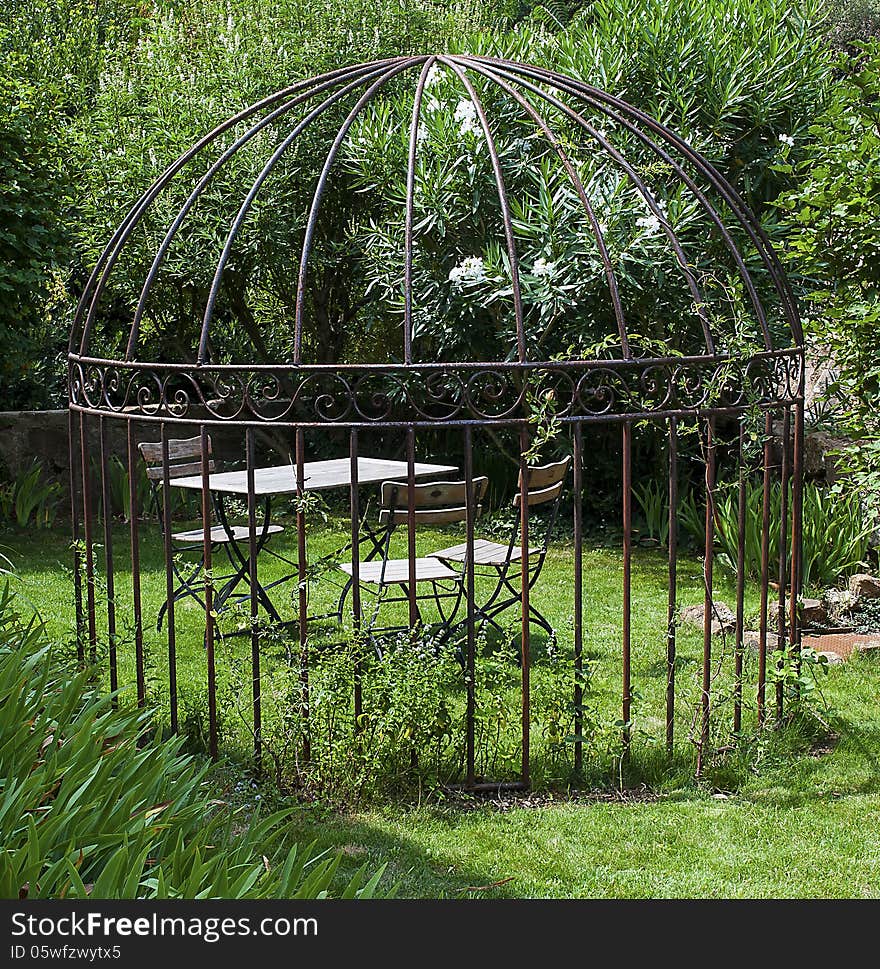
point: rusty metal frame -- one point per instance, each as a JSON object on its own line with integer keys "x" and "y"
{"x": 712, "y": 388}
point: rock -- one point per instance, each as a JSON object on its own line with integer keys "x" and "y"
{"x": 863, "y": 586}
{"x": 752, "y": 640}
{"x": 821, "y": 450}
{"x": 723, "y": 618}
{"x": 813, "y": 611}
{"x": 834, "y": 659}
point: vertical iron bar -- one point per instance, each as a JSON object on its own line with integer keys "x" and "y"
{"x": 740, "y": 583}
{"x": 470, "y": 685}
{"x": 75, "y": 530}
{"x": 256, "y": 686}
{"x": 88, "y": 526}
{"x": 134, "y": 541}
{"x": 110, "y": 578}
{"x": 765, "y": 572}
{"x": 356, "y": 577}
{"x": 577, "y": 497}
{"x": 672, "y": 601}
{"x": 783, "y": 557}
{"x": 303, "y": 595}
{"x": 797, "y": 504}
{"x": 709, "y": 598}
{"x": 627, "y": 578}
{"x": 169, "y": 579}
{"x": 525, "y": 643}
{"x": 209, "y": 592}
{"x": 411, "y": 525}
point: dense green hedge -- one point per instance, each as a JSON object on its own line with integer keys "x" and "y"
{"x": 98, "y": 97}
{"x": 834, "y": 246}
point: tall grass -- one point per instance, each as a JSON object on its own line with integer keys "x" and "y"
{"x": 91, "y": 805}
{"x": 836, "y": 536}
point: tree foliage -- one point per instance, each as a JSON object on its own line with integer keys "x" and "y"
{"x": 740, "y": 84}
{"x": 834, "y": 243}
{"x": 104, "y": 96}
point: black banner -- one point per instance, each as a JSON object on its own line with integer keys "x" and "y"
{"x": 135, "y": 933}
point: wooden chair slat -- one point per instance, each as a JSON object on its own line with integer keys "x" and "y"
{"x": 190, "y": 447}
{"x": 540, "y": 496}
{"x": 547, "y": 474}
{"x": 434, "y": 494}
{"x": 429, "y": 516}
{"x": 178, "y": 470}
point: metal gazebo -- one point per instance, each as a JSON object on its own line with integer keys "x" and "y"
{"x": 201, "y": 393}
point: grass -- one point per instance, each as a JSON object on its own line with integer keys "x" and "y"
{"x": 793, "y": 821}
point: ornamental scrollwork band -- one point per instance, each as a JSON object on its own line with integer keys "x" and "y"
{"x": 445, "y": 393}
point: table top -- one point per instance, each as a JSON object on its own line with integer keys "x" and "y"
{"x": 318, "y": 475}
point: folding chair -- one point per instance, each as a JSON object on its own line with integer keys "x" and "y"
{"x": 544, "y": 486}
{"x": 388, "y": 579}
{"x": 184, "y": 460}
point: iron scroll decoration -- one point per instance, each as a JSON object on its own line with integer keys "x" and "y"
{"x": 717, "y": 382}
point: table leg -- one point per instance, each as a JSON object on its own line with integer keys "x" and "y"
{"x": 235, "y": 553}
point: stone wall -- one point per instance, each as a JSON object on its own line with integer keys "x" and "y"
{"x": 26, "y": 436}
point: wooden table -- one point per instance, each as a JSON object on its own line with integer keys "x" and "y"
{"x": 317, "y": 476}
{"x": 279, "y": 480}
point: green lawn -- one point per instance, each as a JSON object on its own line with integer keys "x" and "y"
{"x": 790, "y": 820}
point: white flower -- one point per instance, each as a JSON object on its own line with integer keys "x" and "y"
{"x": 650, "y": 223}
{"x": 543, "y": 268}
{"x": 421, "y": 133}
{"x": 466, "y": 113}
{"x": 434, "y": 75}
{"x": 786, "y": 140}
{"x": 469, "y": 270}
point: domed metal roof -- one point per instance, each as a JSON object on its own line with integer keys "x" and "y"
{"x": 554, "y": 106}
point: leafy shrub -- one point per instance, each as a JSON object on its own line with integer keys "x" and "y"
{"x": 30, "y": 499}
{"x": 835, "y": 532}
{"x": 93, "y": 806}
{"x": 50, "y": 58}
{"x": 835, "y": 247}
{"x": 653, "y": 500}
{"x": 737, "y": 82}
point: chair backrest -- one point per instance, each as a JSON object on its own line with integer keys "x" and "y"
{"x": 184, "y": 458}
{"x": 544, "y": 483}
{"x": 436, "y": 503}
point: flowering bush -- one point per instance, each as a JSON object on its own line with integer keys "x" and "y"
{"x": 740, "y": 85}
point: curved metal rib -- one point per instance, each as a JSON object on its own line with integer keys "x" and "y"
{"x": 410, "y": 200}
{"x": 607, "y": 104}
{"x": 707, "y": 207}
{"x": 644, "y": 191}
{"x": 254, "y": 190}
{"x": 585, "y": 201}
{"x": 88, "y": 301}
{"x": 367, "y": 96}
{"x": 203, "y": 183}
{"x": 505, "y": 207}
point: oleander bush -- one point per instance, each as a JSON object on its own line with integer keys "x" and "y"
{"x": 131, "y": 85}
